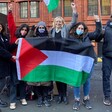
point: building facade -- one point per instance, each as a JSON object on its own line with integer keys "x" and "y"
{"x": 33, "y": 11}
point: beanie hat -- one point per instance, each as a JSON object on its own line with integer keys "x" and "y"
{"x": 41, "y": 23}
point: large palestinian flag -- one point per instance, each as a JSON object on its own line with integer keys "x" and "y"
{"x": 49, "y": 59}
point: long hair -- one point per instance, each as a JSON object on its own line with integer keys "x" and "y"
{"x": 18, "y": 31}
{"x": 75, "y": 26}
{"x": 3, "y": 29}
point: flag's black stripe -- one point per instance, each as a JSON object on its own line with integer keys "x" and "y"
{"x": 67, "y": 45}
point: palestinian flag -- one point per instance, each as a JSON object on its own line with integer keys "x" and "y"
{"x": 51, "y": 4}
{"x": 49, "y": 59}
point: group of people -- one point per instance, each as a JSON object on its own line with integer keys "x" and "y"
{"x": 74, "y": 30}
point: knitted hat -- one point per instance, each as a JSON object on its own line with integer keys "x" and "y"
{"x": 41, "y": 23}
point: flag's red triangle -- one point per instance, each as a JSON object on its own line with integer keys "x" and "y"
{"x": 29, "y": 56}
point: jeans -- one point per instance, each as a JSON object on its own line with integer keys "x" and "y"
{"x": 106, "y": 68}
{"x": 13, "y": 91}
{"x": 86, "y": 87}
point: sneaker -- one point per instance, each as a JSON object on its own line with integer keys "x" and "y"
{"x": 65, "y": 100}
{"x": 107, "y": 101}
{"x": 76, "y": 105}
{"x": 12, "y": 106}
{"x": 47, "y": 103}
{"x": 24, "y": 102}
{"x": 39, "y": 102}
{"x": 87, "y": 103}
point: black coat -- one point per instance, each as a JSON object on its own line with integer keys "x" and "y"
{"x": 107, "y": 40}
{"x": 107, "y": 44}
{"x": 86, "y": 39}
{"x": 5, "y": 55}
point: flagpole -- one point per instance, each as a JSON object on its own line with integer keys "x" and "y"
{"x": 99, "y": 10}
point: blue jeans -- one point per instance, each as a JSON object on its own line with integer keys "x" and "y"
{"x": 86, "y": 87}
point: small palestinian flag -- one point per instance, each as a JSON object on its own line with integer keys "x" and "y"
{"x": 51, "y": 4}
{"x": 49, "y": 59}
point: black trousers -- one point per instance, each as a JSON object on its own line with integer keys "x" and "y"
{"x": 106, "y": 68}
{"x": 62, "y": 88}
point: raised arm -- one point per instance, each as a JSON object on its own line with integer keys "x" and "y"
{"x": 96, "y": 34}
{"x": 74, "y": 16}
{"x": 11, "y": 24}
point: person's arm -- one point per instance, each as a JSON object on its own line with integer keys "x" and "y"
{"x": 5, "y": 54}
{"x": 11, "y": 24}
{"x": 98, "y": 31}
{"x": 74, "y": 16}
{"x": 31, "y": 32}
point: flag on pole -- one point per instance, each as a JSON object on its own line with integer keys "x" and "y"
{"x": 51, "y": 4}
{"x": 49, "y": 59}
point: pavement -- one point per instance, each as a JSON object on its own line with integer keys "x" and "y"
{"x": 96, "y": 95}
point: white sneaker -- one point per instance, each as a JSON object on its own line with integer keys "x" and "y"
{"x": 12, "y": 106}
{"x": 23, "y": 102}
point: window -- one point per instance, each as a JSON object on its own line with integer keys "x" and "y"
{"x": 3, "y": 8}
{"x": 67, "y": 8}
{"x": 34, "y": 9}
{"x": 64, "y": 9}
{"x": 34, "y": 6}
{"x": 92, "y": 7}
{"x": 24, "y": 9}
{"x": 105, "y": 7}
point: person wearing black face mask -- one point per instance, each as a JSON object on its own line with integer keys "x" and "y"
{"x": 107, "y": 61}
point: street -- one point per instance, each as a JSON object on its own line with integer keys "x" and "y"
{"x": 96, "y": 99}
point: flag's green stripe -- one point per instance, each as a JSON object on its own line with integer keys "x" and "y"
{"x": 52, "y": 5}
{"x": 46, "y": 73}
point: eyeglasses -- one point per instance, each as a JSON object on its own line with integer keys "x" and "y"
{"x": 41, "y": 27}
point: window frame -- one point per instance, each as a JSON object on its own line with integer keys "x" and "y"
{"x": 87, "y": 17}
{"x": 6, "y": 6}
{"x": 27, "y": 20}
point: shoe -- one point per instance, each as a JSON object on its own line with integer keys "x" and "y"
{"x": 3, "y": 104}
{"x": 59, "y": 99}
{"x": 65, "y": 100}
{"x": 24, "y": 102}
{"x": 12, "y": 106}
{"x": 87, "y": 103}
{"x": 107, "y": 101}
{"x": 76, "y": 105}
{"x": 39, "y": 102}
{"x": 47, "y": 103}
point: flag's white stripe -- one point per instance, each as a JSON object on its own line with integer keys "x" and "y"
{"x": 47, "y": 2}
{"x": 17, "y": 60}
{"x": 68, "y": 60}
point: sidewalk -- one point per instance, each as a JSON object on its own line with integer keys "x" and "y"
{"x": 96, "y": 99}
